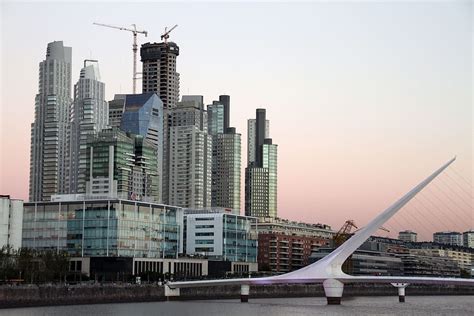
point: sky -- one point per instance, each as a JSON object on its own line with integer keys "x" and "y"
{"x": 365, "y": 99}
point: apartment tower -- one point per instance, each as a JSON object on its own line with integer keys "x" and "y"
{"x": 261, "y": 171}
{"x": 49, "y": 130}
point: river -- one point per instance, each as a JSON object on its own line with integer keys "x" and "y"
{"x": 382, "y": 305}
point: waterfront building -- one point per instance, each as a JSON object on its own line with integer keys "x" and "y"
{"x": 49, "y": 147}
{"x": 418, "y": 264}
{"x": 89, "y": 116}
{"x": 11, "y": 221}
{"x": 261, "y": 171}
{"x": 111, "y": 237}
{"x": 407, "y": 235}
{"x": 449, "y": 238}
{"x": 366, "y": 262}
{"x": 122, "y": 165}
{"x": 468, "y": 238}
{"x": 285, "y": 245}
{"x": 221, "y": 236}
{"x": 463, "y": 256}
{"x": 187, "y": 176}
{"x": 159, "y": 71}
{"x": 226, "y": 156}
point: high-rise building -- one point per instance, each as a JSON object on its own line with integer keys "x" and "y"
{"x": 261, "y": 171}
{"x": 116, "y": 109}
{"x": 407, "y": 235}
{"x": 159, "y": 71}
{"x": 49, "y": 130}
{"x": 11, "y": 221}
{"x": 89, "y": 116}
{"x": 251, "y": 136}
{"x": 226, "y": 156}
{"x": 187, "y": 176}
{"x": 122, "y": 165}
{"x": 468, "y": 238}
{"x": 141, "y": 114}
{"x": 448, "y": 238}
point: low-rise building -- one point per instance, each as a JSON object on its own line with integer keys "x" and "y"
{"x": 11, "y": 217}
{"x": 463, "y": 256}
{"x": 468, "y": 239}
{"x": 112, "y": 237}
{"x": 448, "y": 238}
{"x": 221, "y": 236}
{"x": 407, "y": 235}
{"x": 285, "y": 245}
{"x": 365, "y": 262}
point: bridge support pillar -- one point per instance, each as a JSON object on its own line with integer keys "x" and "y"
{"x": 244, "y": 293}
{"x": 401, "y": 291}
{"x": 171, "y": 294}
{"x": 333, "y": 289}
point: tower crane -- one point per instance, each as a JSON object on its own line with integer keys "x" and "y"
{"x": 134, "y": 47}
{"x": 166, "y": 34}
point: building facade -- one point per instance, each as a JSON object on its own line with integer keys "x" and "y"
{"x": 226, "y": 156}
{"x": 89, "y": 116}
{"x": 448, "y": 238}
{"x": 122, "y": 165}
{"x": 285, "y": 245}
{"x": 116, "y": 109}
{"x": 104, "y": 228}
{"x": 468, "y": 239}
{"x": 187, "y": 179}
{"x": 261, "y": 171}
{"x": 221, "y": 236}
{"x": 49, "y": 146}
{"x": 159, "y": 71}
{"x": 407, "y": 235}
{"x": 11, "y": 221}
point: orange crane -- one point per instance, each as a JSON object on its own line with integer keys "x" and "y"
{"x": 344, "y": 232}
{"x": 166, "y": 34}
{"x": 134, "y": 47}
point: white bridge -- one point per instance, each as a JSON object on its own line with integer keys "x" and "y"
{"x": 328, "y": 270}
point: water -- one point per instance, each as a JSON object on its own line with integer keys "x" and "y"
{"x": 385, "y": 305}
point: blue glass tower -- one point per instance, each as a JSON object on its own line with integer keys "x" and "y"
{"x": 143, "y": 115}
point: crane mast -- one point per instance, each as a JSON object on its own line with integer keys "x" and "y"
{"x": 167, "y": 32}
{"x": 135, "y": 32}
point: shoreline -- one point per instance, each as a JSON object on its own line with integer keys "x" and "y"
{"x": 56, "y": 295}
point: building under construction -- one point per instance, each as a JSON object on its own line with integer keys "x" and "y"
{"x": 159, "y": 71}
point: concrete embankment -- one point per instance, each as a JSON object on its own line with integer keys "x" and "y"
{"x": 22, "y": 296}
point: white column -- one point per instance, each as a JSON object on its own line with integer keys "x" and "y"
{"x": 333, "y": 289}
{"x": 244, "y": 293}
{"x": 401, "y": 291}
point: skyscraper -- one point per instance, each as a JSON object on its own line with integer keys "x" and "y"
{"x": 159, "y": 71}
{"x": 121, "y": 165}
{"x": 187, "y": 182}
{"x": 261, "y": 171}
{"x": 88, "y": 117}
{"x": 226, "y": 156}
{"x": 143, "y": 115}
{"x": 49, "y": 148}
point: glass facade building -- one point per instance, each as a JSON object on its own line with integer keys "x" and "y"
{"x": 110, "y": 228}
{"x": 122, "y": 165}
{"x": 261, "y": 171}
{"x": 221, "y": 236}
{"x": 226, "y": 156}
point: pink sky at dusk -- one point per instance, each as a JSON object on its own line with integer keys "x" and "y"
{"x": 364, "y": 99}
